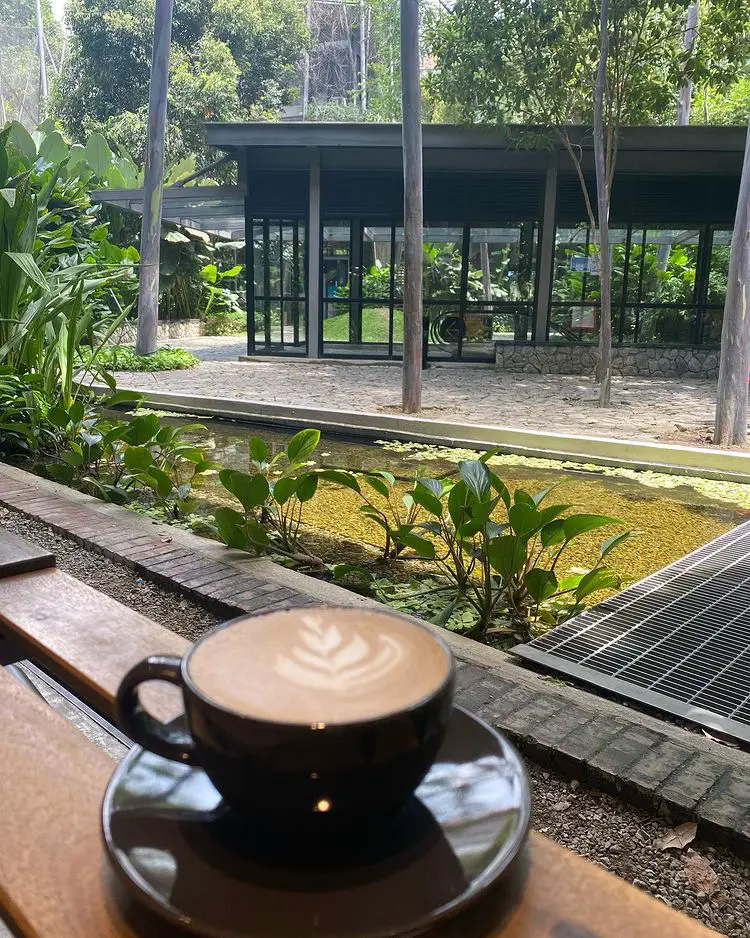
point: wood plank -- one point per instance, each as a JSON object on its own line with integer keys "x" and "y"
{"x": 86, "y": 639}
{"x": 53, "y": 870}
{"x": 17, "y": 555}
{"x": 43, "y": 786}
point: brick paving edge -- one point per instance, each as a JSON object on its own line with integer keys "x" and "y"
{"x": 646, "y": 761}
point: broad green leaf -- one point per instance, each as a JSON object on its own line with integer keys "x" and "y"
{"x": 76, "y": 411}
{"x": 340, "y": 477}
{"x": 373, "y": 516}
{"x": 258, "y": 449}
{"x": 612, "y": 542}
{"x": 283, "y": 489}
{"x": 9, "y": 195}
{"x": 98, "y": 155}
{"x": 122, "y": 397}
{"x": 476, "y": 476}
{"x": 420, "y": 545}
{"x": 53, "y": 148}
{"x": 523, "y": 498}
{"x": 307, "y": 487}
{"x": 501, "y": 488}
{"x": 229, "y": 524}
{"x": 552, "y": 533}
{"x": 432, "y": 526}
{"x": 458, "y": 504}
{"x": 575, "y": 525}
{"x": 72, "y": 458}
{"x": 302, "y": 445}
{"x": 251, "y": 490}
{"x": 380, "y": 487}
{"x": 507, "y": 555}
{"x": 540, "y": 496}
{"x": 58, "y": 417}
{"x": 488, "y": 454}
{"x": 257, "y": 532}
{"x": 524, "y": 519}
{"x": 427, "y": 499}
{"x": 540, "y": 584}
{"x": 162, "y": 482}
{"x": 600, "y": 579}
{"x": 434, "y": 485}
{"x": 137, "y": 457}
{"x": 20, "y": 141}
{"x": 389, "y": 477}
{"x": 408, "y": 501}
{"x": 142, "y": 429}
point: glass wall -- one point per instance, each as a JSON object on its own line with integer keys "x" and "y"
{"x": 478, "y": 288}
{"x": 668, "y": 285}
{"x": 278, "y": 278}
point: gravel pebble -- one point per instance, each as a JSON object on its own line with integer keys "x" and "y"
{"x": 608, "y": 832}
{"x": 116, "y": 580}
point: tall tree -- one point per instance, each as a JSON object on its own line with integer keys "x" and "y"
{"x": 411, "y": 95}
{"x": 505, "y": 61}
{"x": 231, "y": 59}
{"x": 731, "y": 398}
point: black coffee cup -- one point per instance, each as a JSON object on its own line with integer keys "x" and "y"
{"x": 298, "y": 776}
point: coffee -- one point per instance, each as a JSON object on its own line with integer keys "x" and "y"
{"x": 324, "y": 665}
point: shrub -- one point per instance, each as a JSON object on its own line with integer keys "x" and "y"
{"x": 124, "y": 358}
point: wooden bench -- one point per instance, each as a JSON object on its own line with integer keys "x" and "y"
{"x": 55, "y": 880}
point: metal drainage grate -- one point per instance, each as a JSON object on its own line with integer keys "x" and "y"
{"x": 678, "y": 641}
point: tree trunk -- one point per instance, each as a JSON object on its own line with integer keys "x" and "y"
{"x": 731, "y": 396}
{"x": 686, "y": 89}
{"x": 602, "y": 194}
{"x": 153, "y": 181}
{"x": 43, "y": 86}
{"x": 413, "y": 230}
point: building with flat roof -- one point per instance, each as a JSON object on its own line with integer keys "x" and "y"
{"x": 508, "y": 258}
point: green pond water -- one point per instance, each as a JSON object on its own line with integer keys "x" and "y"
{"x": 671, "y": 514}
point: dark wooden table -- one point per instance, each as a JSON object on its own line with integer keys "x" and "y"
{"x": 55, "y": 880}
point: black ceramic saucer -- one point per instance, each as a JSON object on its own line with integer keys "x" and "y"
{"x": 195, "y": 864}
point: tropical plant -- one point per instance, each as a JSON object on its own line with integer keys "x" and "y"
{"x": 393, "y": 512}
{"x": 24, "y": 405}
{"x": 508, "y": 570}
{"x": 142, "y": 460}
{"x": 272, "y": 499}
{"x": 222, "y": 312}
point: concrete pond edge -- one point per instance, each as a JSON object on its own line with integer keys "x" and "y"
{"x": 651, "y": 763}
{"x": 703, "y": 462}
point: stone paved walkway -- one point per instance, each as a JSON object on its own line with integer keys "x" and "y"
{"x": 668, "y": 410}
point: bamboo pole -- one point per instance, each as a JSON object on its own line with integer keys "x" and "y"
{"x": 153, "y": 181}
{"x": 413, "y": 213}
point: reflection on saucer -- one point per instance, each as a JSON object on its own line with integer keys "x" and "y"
{"x": 476, "y": 804}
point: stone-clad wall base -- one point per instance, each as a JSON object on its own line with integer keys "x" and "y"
{"x": 168, "y": 329}
{"x": 627, "y": 361}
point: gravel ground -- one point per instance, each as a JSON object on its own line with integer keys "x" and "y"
{"x": 114, "y": 579}
{"x": 679, "y": 410}
{"x": 709, "y": 883}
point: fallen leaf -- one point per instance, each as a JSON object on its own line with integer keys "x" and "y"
{"x": 700, "y": 874}
{"x": 165, "y": 538}
{"x": 678, "y": 837}
{"x": 561, "y": 806}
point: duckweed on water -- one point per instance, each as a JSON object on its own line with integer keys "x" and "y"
{"x": 734, "y": 493}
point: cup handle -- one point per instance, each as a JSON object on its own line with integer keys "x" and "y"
{"x": 152, "y": 734}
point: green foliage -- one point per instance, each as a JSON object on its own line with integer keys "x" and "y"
{"x": 229, "y": 60}
{"x": 124, "y": 358}
{"x": 502, "y": 555}
{"x": 271, "y": 499}
{"x": 140, "y": 461}
{"x": 505, "y": 61}
{"x": 222, "y": 311}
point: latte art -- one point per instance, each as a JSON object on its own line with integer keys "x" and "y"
{"x": 319, "y": 665}
{"x": 327, "y": 659}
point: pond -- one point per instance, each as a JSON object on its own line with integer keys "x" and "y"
{"x": 672, "y": 515}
